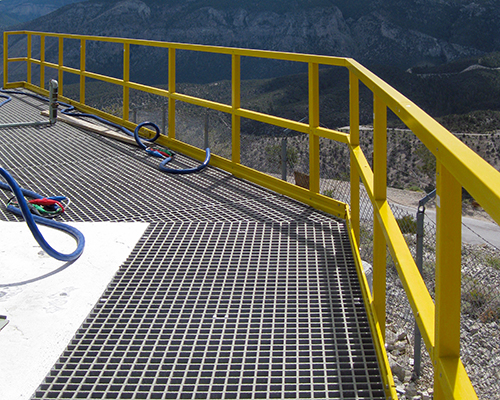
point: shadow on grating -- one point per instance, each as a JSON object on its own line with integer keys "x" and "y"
{"x": 226, "y": 310}
{"x": 112, "y": 181}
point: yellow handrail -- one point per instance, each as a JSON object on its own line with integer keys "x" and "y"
{"x": 457, "y": 167}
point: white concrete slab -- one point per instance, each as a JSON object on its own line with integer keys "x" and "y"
{"x": 46, "y": 300}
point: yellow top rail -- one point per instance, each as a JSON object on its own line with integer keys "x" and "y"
{"x": 457, "y": 167}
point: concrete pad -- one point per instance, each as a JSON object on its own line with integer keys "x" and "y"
{"x": 45, "y": 301}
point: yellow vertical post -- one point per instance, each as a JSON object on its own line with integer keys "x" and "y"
{"x": 313, "y": 124}
{"x": 448, "y": 272}
{"x": 126, "y": 80}
{"x": 42, "y": 60}
{"x": 61, "y": 64}
{"x": 354, "y": 142}
{"x": 5, "y": 58}
{"x": 171, "y": 90}
{"x": 236, "y": 104}
{"x": 380, "y": 194}
{"x": 82, "y": 70}
{"x": 28, "y": 66}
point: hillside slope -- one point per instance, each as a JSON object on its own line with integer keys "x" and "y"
{"x": 14, "y": 12}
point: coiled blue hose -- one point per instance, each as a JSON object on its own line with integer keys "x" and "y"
{"x": 167, "y": 159}
{"x": 32, "y": 221}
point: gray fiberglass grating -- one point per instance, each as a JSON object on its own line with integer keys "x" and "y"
{"x": 112, "y": 181}
{"x": 226, "y": 310}
{"x": 233, "y": 291}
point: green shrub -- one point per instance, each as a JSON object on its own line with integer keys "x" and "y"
{"x": 407, "y": 224}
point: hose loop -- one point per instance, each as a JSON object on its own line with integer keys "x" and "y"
{"x": 32, "y": 221}
{"x": 138, "y": 139}
{"x": 188, "y": 170}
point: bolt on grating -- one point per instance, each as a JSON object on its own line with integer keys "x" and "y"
{"x": 226, "y": 310}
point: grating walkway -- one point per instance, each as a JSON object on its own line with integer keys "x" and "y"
{"x": 232, "y": 292}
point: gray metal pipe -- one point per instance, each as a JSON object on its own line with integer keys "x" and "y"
{"x": 53, "y": 106}
{"x": 417, "y": 346}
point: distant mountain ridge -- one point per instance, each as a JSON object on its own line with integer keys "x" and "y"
{"x": 399, "y": 33}
{"x": 14, "y": 12}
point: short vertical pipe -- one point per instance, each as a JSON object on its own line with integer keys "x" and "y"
{"x": 448, "y": 272}
{"x": 126, "y": 80}
{"x": 313, "y": 124}
{"x": 42, "y": 61}
{"x": 61, "y": 64}
{"x": 5, "y": 59}
{"x": 82, "y": 70}
{"x": 354, "y": 142}
{"x": 53, "y": 104}
{"x": 236, "y": 104}
{"x": 417, "y": 345}
{"x": 28, "y": 66}
{"x": 283, "y": 159}
{"x": 380, "y": 195}
{"x": 171, "y": 90}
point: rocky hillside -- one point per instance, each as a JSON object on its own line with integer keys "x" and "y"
{"x": 391, "y": 32}
{"x": 14, "y": 12}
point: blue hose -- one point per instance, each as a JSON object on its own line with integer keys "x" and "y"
{"x": 31, "y": 220}
{"x": 71, "y": 110}
{"x": 167, "y": 159}
{"x": 187, "y": 170}
{"x": 7, "y": 99}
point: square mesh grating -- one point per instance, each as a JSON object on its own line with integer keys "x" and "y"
{"x": 233, "y": 292}
{"x": 226, "y": 310}
{"x": 112, "y": 181}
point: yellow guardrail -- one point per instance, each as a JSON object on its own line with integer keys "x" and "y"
{"x": 457, "y": 167}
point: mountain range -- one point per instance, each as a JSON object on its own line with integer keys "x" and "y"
{"x": 396, "y": 33}
{"x": 13, "y": 12}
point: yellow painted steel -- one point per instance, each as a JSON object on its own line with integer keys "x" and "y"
{"x": 377, "y": 328}
{"x": 380, "y": 195}
{"x": 448, "y": 273}
{"x": 171, "y": 90}
{"x": 313, "y": 124}
{"x": 28, "y": 67}
{"x": 458, "y": 166}
{"x": 235, "y": 105}
{"x": 42, "y": 62}
{"x": 5, "y": 59}
{"x": 83, "y": 47}
{"x": 60, "y": 75}
{"x": 126, "y": 80}
{"x": 354, "y": 142}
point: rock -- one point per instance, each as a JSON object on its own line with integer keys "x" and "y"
{"x": 367, "y": 267}
{"x": 400, "y": 389}
{"x": 425, "y": 396}
{"x": 411, "y": 390}
{"x": 408, "y": 375}
{"x": 401, "y": 346}
{"x": 474, "y": 329}
{"x": 398, "y": 370}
